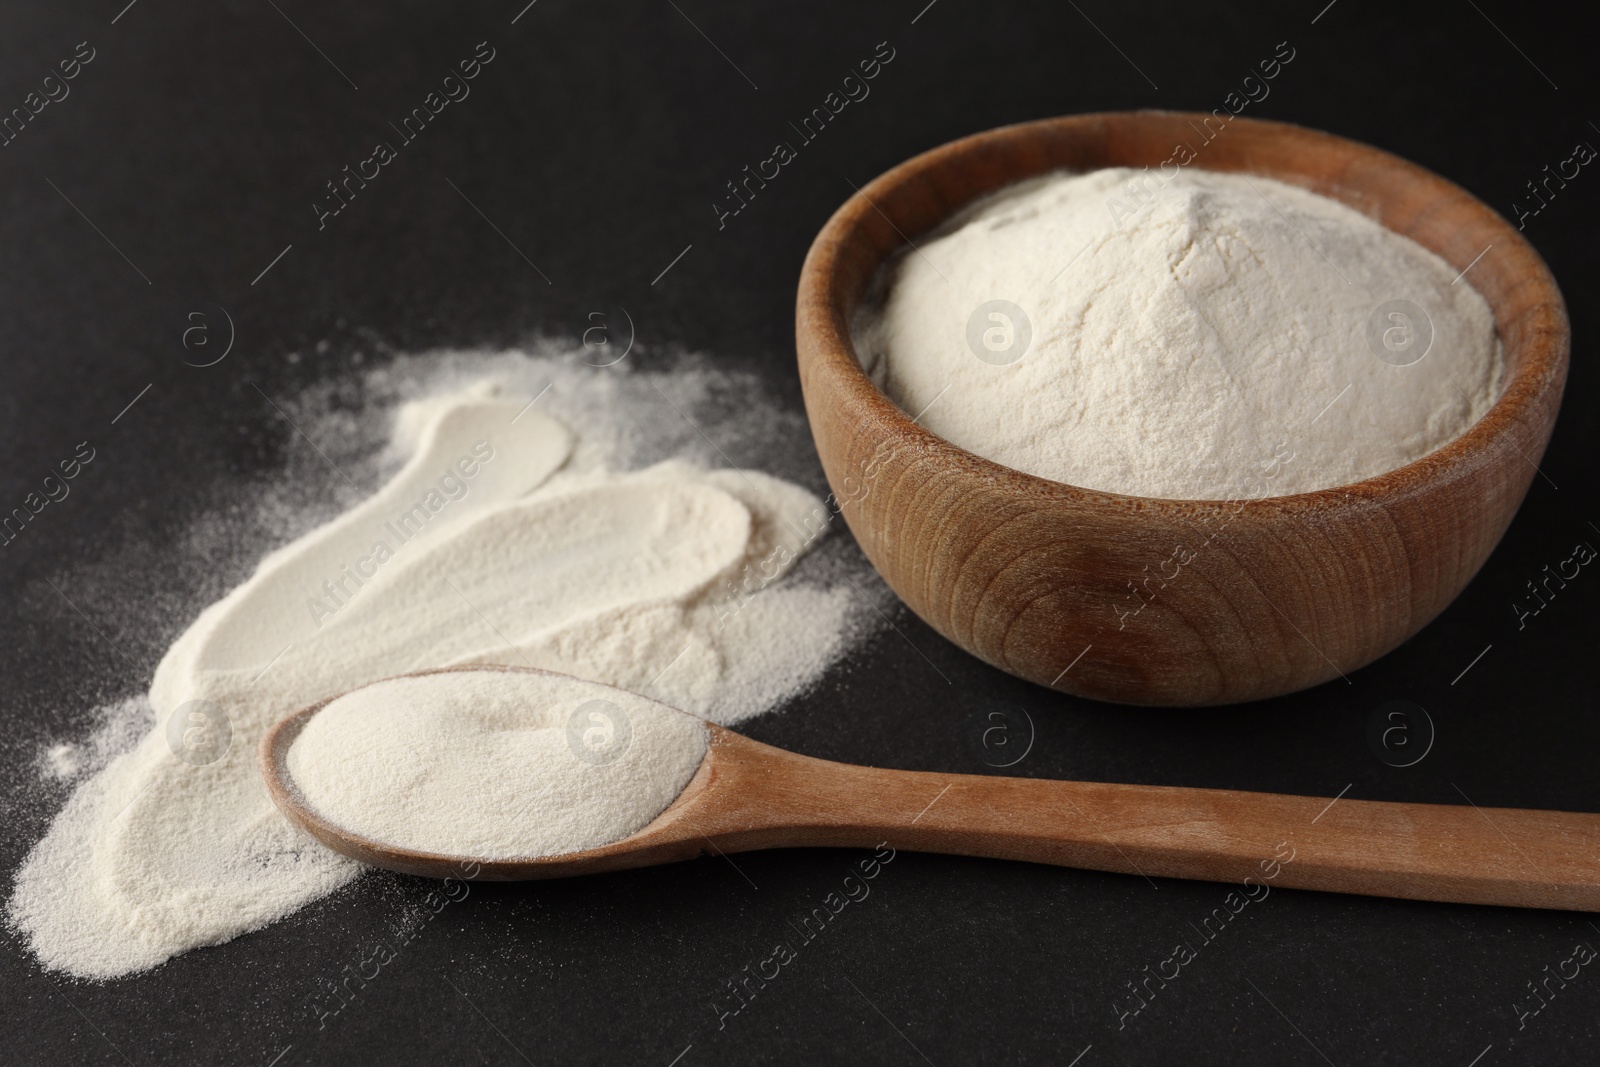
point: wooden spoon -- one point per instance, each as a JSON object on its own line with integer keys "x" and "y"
{"x": 747, "y": 795}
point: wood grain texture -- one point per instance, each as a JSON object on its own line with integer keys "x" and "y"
{"x": 1027, "y": 573}
{"x": 747, "y": 795}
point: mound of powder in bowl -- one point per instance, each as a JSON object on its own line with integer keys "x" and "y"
{"x": 1196, "y": 336}
{"x": 494, "y": 765}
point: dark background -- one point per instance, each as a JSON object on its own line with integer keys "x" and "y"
{"x": 596, "y": 141}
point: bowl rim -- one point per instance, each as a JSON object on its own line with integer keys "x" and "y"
{"x": 824, "y": 307}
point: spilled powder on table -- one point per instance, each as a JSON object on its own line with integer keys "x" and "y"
{"x": 586, "y": 532}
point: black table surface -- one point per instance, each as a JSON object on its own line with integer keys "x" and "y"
{"x": 188, "y": 153}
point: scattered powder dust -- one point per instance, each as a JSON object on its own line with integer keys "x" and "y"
{"x": 1178, "y": 337}
{"x": 537, "y": 513}
{"x": 121, "y": 724}
{"x": 494, "y": 765}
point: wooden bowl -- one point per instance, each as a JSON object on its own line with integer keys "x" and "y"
{"x": 1029, "y": 574}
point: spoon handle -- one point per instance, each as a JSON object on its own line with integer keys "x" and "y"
{"x": 1457, "y": 853}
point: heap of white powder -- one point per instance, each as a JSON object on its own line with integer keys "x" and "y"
{"x": 1199, "y": 335}
{"x": 541, "y": 518}
{"x": 493, "y": 765}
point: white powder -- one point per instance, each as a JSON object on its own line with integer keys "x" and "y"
{"x": 529, "y": 549}
{"x": 121, "y": 724}
{"x": 1187, "y": 339}
{"x": 494, "y": 764}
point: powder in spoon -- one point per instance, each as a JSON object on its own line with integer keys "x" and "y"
{"x": 1178, "y": 336}
{"x": 494, "y": 764}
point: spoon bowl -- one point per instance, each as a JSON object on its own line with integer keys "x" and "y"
{"x": 746, "y": 795}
